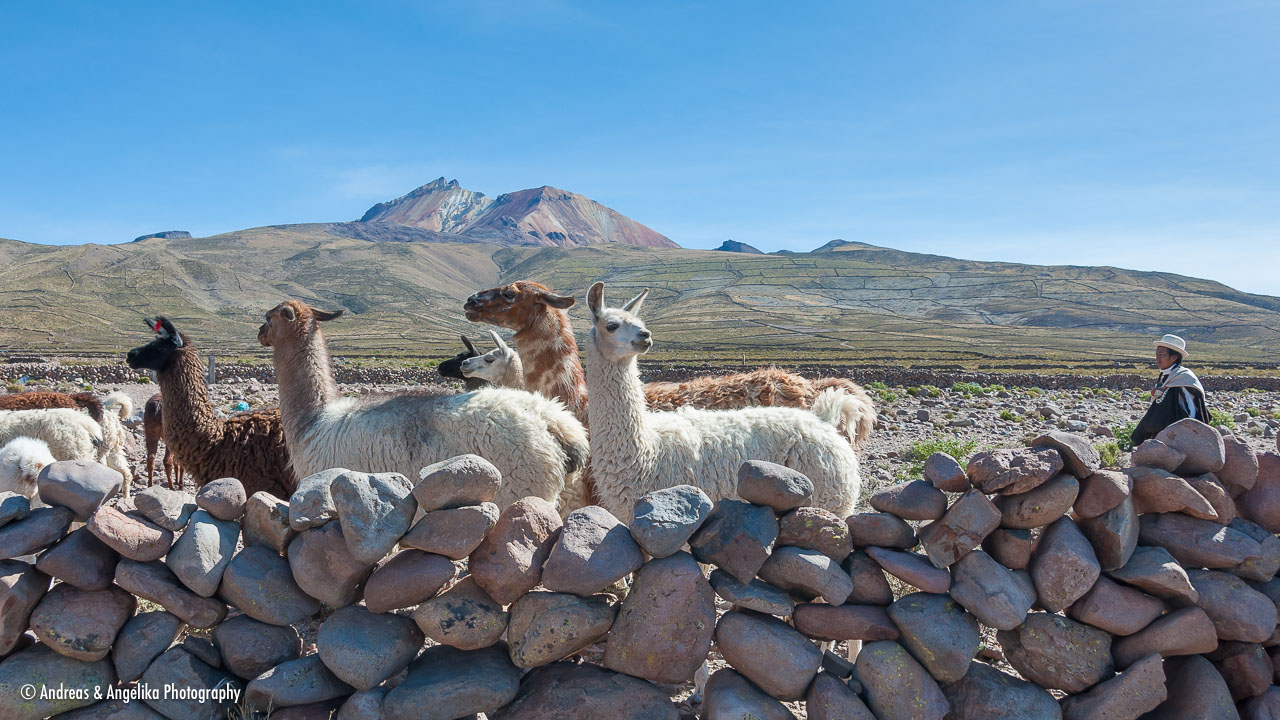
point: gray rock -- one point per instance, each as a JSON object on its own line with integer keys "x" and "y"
{"x": 914, "y": 500}
{"x": 821, "y": 621}
{"x": 881, "y": 530}
{"x": 1135, "y": 691}
{"x": 409, "y": 578}
{"x": 79, "y": 485}
{"x": 1153, "y": 569}
{"x": 993, "y": 593}
{"x": 364, "y": 704}
{"x": 81, "y": 624}
{"x": 773, "y": 485}
{"x": 1245, "y": 667}
{"x": 203, "y": 552}
{"x": 508, "y": 563}
{"x": 266, "y": 522}
{"x": 769, "y": 653}
{"x": 759, "y": 595}
{"x": 223, "y": 498}
{"x": 1013, "y": 471}
{"x": 41, "y": 528}
{"x": 565, "y": 690}
{"x": 325, "y": 569}
{"x": 870, "y": 587}
{"x": 464, "y": 616}
{"x": 832, "y": 699}
{"x": 132, "y": 537}
{"x": 1188, "y": 631}
{"x": 1202, "y": 445}
{"x": 737, "y": 537}
{"x": 457, "y": 482}
{"x": 142, "y": 638}
{"x": 1057, "y": 653}
{"x": 969, "y": 519}
{"x": 1240, "y": 473}
{"x": 1039, "y": 506}
{"x": 1011, "y": 548}
{"x": 1264, "y": 707}
{"x": 1157, "y": 491}
{"x": 1078, "y": 456}
{"x": 170, "y": 509}
{"x": 453, "y": 533}
{"x": 446, "y": 683}
{"x": 665, "y": 519}
{"x": 311, "y": 504}
{"x": 594, "y": 550}
{"x": 1197, "y": 543}
{"x": 943, "y": 472}
{"x": 363, "y": 649}
{"x": 912, "y": 569}
{"x": 985, "y": 693}
{"x": 663, "y": 630}
{"x": 82, "y": 560}
{"x": 155, "y": 582}
{"x": 203, "y": 650}
{"x": 1196, "y": 691}
{"x": 1238, "y": 611}
{"x": 1064, "y": 566}
{"x": 1263, "y": 566}
{"x": 260, "y": 583}
{"x": 1155, "y": 454}
{"x": 730, "y": 696}
{"x": 1101, "y": 492}
{"x": 938, "y": 632}
{"x": 896, "y": 685}
{"x": 1261, "y": 503}
{"x": 1113, "y": 535}
{"x": 1118, "y": 609}
{"x": 13, "y": 507}
{"x": 113, "y": 710}
{"x": 807, "y": 573}
{"x": 816, "y": 529}
{"x": 375, "y": 510}
{"x": 180, "y": 669}
{"x": 249, "y": 648}
{"x": 51, "y": 670}
{"x": 547, "y": 626}
{"x": 295, "y": 682}
{"x": 21, "y": 588}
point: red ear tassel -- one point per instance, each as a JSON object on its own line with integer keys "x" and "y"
{"x": 157, "y": 327}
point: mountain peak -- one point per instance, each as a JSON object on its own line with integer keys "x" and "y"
{"x": 740, "y": 247}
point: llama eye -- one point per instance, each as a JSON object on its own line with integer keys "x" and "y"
{"x": 488, "y": 361}
{"x": 611, "y": 327}
{"x": 508, "y": 296}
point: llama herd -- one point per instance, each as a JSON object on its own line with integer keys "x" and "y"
{"x": 526, "y": 409}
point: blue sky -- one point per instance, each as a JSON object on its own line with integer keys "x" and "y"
{"x": 1137, "y": 134}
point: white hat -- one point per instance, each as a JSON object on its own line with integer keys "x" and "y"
{"x": 1174, "y": 343}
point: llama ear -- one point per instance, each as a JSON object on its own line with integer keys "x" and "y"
{"x": 326, "y": 315}
{"x": 595, "y": 299}
{"x": 497, "y": 340}
{"x": 633, "y": 305}
{"x": 471, "y": 347}
{"x": 288, "y": 313}
{"x": 151, "y": 324}
{"x": 561, "y": 302}
{"x": 169, "y": 332}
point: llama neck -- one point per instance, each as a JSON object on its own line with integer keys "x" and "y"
{"x": 188, "y": 415}
{"x": 550, "y": 357}
{"x": 305, "y": 375}
{"x": 622, "y": 445}
{"x": 513, "y": 377}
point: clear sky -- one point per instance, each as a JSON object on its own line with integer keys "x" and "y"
{"x": 1142, "y": 134}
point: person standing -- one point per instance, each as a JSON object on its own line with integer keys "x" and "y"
{"x": 1178, "y": 393}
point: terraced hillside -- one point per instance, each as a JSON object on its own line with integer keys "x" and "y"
{"x": 843, "y": 304}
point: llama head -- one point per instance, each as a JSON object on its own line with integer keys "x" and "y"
{"x": 618, "y": 333}
{"x": 452, "y": 368}
{"x": 491, "y": 366}
{"x": 292, "y": 320}
{"x": 514, "y": 306}
{"x": 160, "y": 352}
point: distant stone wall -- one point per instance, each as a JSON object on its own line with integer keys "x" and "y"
{"x": 1151, "y": 589}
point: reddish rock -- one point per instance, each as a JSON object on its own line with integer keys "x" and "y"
{"x": 81, "y": 624}
{"x": 453, "y": 533}
{"x": 1135, "y": 691}
{"x": 21, "y": 587}
{"x": 1196, "y": 692}
{"x": 881, "y": 530}
{"x": 985, "y": 693}
{"x": 409, "y": 578}
{"x": 844, "y": 622}
{"x": 1113, "y": 535}
{"x": 663, "y": 631}
{"x": 815, "y": 529}
{"x": 768, "y": 652}
{"x": 997, "y": 596}
{"x": 1261, "y": 503}
{"x": 1011, "y": 548}
{"x": 832, "y": 699}
{"x": 155, "y": 582}
{"x": 1058, "y": 653}
{"x": 913, "y": 500}
{"x": 1100, "y": 492}
{"x": 969, "y": 519}
{"x": 1197, "y": 543}
{"x": 1240, "y": 472}
{"x": 1013, "y": 471}
{"x": 1039, "y": 506}
{"x": 943, "y": 472}
{"x": 464, "y": 616}
{"x": 729, "y": 696}
{"x": 1238, "y": 611}
{"x": 911, "y": 569}
{"x": 509, "y": 562}
{"x": 1064, "y": 566}
{"x": 1153, "y": 569}
{"x": 1155, "y": 454}
{"x": 937, "y": 632}
{"x": 870, "y": 587}
{"x": 1245, "y": 667}
{"x": 897, "y": 686}
{"x": 1263, "y": 566}
{"x": 1078, "y": 456}
{"x": 1182, "y": 632}
{"x": 1118, "y": 609}
{"x": 325, "y": 569}
{"x": 266, "y": 522}
{"x": 1216, "y": 495}
{"x": 133, "y": 538}
{"x": 1157, "y": 491}
{"x": 1201, "y": 444}
{"x": 459, "y": 481}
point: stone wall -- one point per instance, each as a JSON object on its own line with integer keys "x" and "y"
{"x": 1029, "y": 583}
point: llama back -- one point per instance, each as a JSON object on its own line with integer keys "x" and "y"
{"x": 69, "y": 434}
{"x": 706, "y": 448}
{"x": 535, "y": 442}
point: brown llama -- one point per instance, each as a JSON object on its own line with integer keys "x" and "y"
{"x": 42, "y": 399}
{"x": 549, "y": 352}
{"x": 249, "y": 446}
{"x": 153, "y": 430}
